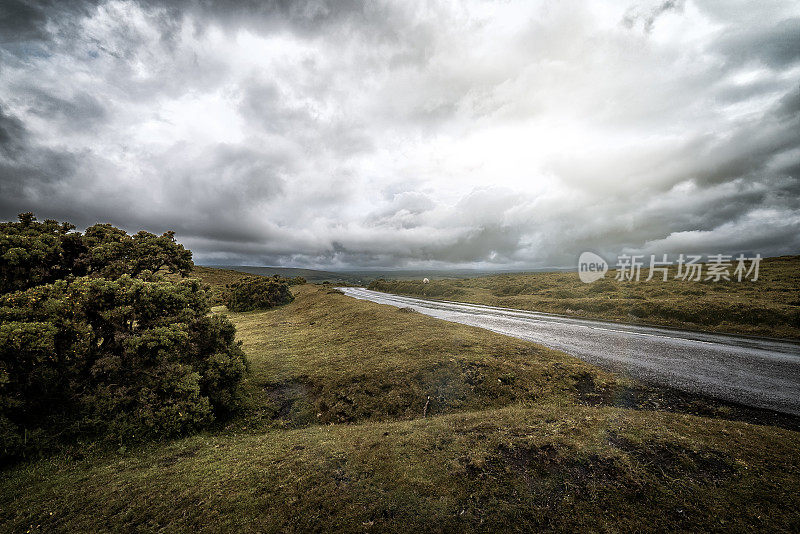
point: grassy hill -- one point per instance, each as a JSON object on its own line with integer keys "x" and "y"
{"x": 365, "y": 418}
{"x": 311, "y": 275}
{"x": 359, "y": 277}
{"x": 769, "y": 306}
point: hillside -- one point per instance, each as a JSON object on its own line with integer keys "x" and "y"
{"x": 311, "y": 275}
{"x": 769, "y": 306}
{"x": 357, "y": 276}
{"x": 365, "y": 418}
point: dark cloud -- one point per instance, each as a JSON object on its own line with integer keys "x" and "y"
{"x": 776, "y": 45}
{"x": 78, "y": 112}
{"x": 28, "y": 20}
{"x": 12, "y": 135}
{"x": 789, "y": 107}
{"x": 647, "y": 15}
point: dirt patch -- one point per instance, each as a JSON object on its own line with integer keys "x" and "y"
{"x": 670, "y": 461}
{"x": 653, "y": 397}
{"x": 290, "y": 402}
{"x": 546, "y": 476}
{"x": 533, "y": 463}
{"x": 168, "y": 461}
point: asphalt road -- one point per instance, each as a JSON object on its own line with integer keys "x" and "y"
{"x": 757, "y": 372}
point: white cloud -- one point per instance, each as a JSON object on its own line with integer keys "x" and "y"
{"x": 486, "y": 134}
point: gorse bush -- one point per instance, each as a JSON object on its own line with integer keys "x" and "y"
{"x": 117, "y": 355}
{"x": 296, "y": 281}
{"x": 33, "y": 253}
{"x": 257, "y": 293}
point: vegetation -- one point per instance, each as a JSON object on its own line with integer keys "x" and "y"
{"x": 768, "y": 307}
{"x": 220, "y": 281}
{"x": 34, "y": 253}
{"x": 258, "y": 293}
{"x": 310, "y": 275}
{"x": 362, "y": 418}
{"x": 117, "y": 355}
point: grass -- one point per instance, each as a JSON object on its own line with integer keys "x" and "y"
{"x": 331, "y": 359}
{"x": 769, "y": 306}
{"x": 503, "y": 469}
{"x": 336, "y": 436}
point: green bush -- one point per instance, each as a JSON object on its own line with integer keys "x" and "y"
{"x": 257, "y": 293}
{"x": 122, "y": 359}
{"x": 95, "y": 347}
{"x": 34, "y": 253}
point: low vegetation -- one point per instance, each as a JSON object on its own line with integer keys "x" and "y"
{"x": 769, "y": 306}
{"x": 362, "y": 418}
{"x": 258, "y": 293}
{"x": 217, "y": 281}
{"x": 220, "y": 281}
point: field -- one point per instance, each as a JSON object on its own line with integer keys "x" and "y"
{"x": 357, "y": 277}
{"x": 312, "y": 275}
{"x": 769, "y": 306}
{"x": 366, "y": 418}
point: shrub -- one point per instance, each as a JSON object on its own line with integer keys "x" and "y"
{"x": 95, "y": 346}
{"x": 122, "y": 359}
{"x": 257, "y": 293}
{"x": 34, "y": 253}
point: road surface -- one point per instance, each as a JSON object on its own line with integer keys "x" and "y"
{"x": 757, "y": 372}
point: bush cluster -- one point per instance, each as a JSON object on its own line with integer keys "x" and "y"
{"x": 258, "y": 293}
{"x": 34, "y": 253}
{"x": 116, "y": 354}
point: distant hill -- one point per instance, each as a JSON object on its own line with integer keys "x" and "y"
{"x": 363, "y": 277}
{"x": 311, "y": 275}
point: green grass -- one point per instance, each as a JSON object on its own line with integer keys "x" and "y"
{"x": 769, "y": 306}
{"x": 573, "y": 469}
{"x": 339, "y": 360}
{"x": 333, "y": 438}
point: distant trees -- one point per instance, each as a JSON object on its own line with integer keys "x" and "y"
{"x": 258, "y": 292}
{"x": 94, "y": 345}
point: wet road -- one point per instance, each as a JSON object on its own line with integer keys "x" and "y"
{"x": 757, "y": 372}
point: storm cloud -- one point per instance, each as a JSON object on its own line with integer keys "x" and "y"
{"x": 408, "y": 134}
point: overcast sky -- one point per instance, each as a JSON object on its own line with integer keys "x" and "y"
{"x": 408, "y": 134}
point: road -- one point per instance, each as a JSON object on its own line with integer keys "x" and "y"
{"x": 757, "y": 372}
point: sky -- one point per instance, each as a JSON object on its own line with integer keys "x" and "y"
{"x": 371, "y": 134}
